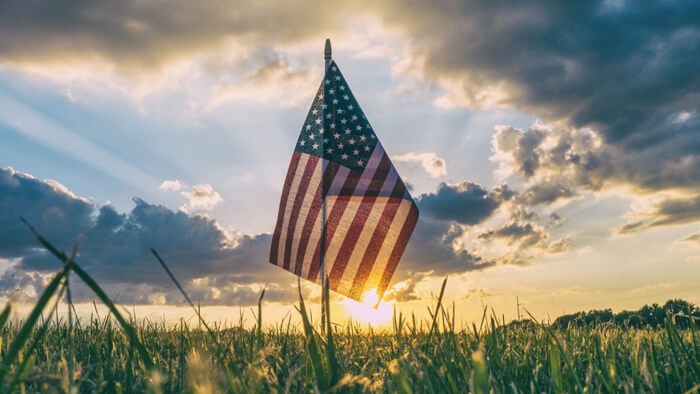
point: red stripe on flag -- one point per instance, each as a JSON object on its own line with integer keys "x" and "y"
{"x": 331, "y": 170}
{"x": 332, "y": 222}
{"x": 283, "y": 205}
{"x": 357, "y": 225}
{"x": 301, "y": 192}
{"x": 375, "y": 245}
{"x": 399, "y": 247}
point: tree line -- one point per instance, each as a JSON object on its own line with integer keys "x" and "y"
{"x": 682, "y": 312}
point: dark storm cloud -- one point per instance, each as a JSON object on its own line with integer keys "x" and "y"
{"x": 573, "y": 159}
{"x": 466, "y": 203}
{"x": 116, "y": 253}
{"x": 546, "y": 193}
{"x": 526, "y": 236}
{"x": 627, "y": 70}
{"x": 431, "y": 249}
{"x": 114, "y": 248}
{"x": 522, "y": 146}
{"x": 142, "y": 34}
{"x": 616, "y": 67}
{"x": 47, "y": 205}
{"x": 677, "y": 211}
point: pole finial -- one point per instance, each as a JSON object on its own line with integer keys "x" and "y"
{"x": 327, "y": 50}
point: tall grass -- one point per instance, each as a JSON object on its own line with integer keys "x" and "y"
{"x": 45, "y": 353}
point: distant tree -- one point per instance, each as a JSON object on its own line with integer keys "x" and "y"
{"x": 682, "y": 312}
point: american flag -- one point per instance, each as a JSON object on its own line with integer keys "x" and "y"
{"x": 369, "y": 213}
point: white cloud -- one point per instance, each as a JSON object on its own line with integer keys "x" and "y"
{"x": 173, "y": 185}
{"x": 432, "y": 164}
{"x": 201, "y": 199}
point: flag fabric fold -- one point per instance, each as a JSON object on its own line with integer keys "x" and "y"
{"x": 369, "y": 213}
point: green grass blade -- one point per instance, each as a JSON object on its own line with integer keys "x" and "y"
{"x": 258, "y": 331}
{"x": 26, "y": 330}
{"x": 334, "y": 372}
{"x": 222, "y": 351}
{"x": 5, "y": 315}
{"x": 312, "y": 346}
{"x": 25, "y": 365}
{"x": 435, "y": 314}
{"x": 87, "y": 279}
{"x": 128, "y": 329}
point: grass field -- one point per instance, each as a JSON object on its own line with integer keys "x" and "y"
{"x": 113, "y": 354}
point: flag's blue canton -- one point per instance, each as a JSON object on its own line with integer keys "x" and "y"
{"x": 336, "y": 124}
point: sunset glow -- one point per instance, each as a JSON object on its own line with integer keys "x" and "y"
{"x": 365, "y": 312}
{"x": 548, "y": 178}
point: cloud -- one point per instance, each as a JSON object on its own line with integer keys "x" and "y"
{"x": 556, "y": 161}
{"x": 693, "y": 238}
{"x": 215, "y": 266}
{"x": 668, "y": 212}
{"x": 144, "y": 35}
{"x": 617, "y": 84}
{"x": 518, "y": 242}
{"x": 521, "y": 147}
{"x": 616, "y": 69}
{"x": 48, "y": 205}
{"x": 566, "y": 161}
{"x": 201, "y": 199}
{"x": 556, "y": 220}
{"x": 435, "y": 248}
{"x": 116, "y": 253}
{"x": 625, "y": 73}
{"x": 546, "y": 192}
{"x": 171, "y": 185}
{"x": 466, "y": 202}
{"x": 405, "y": 291}
{"x": 525, "y": 234}
{"x": 432, "y": 164}
{"x": 114, "y": 248}
{"x": 676, "y": 211}
{"x": 631, "y": 228}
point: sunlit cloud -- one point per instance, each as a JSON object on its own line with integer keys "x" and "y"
{"x": 432, "y": 164}
{"x": 693, "y": 239}
{"x": 171, "y": 185}
{"x": 201, "y": 199}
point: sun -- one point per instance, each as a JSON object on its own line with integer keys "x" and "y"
{"x": 364, "y": 312}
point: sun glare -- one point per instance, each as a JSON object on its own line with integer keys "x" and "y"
{"x": 364, "y": 312}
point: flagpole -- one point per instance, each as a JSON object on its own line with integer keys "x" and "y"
{"x": 327, "y": 55}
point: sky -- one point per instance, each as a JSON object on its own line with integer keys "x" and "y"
{"x": 553, "y": 149}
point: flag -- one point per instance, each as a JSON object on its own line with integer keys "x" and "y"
{"x": 369, "y": 213}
